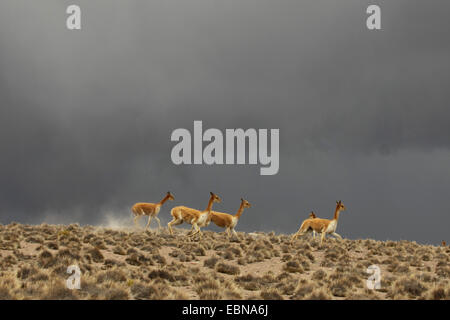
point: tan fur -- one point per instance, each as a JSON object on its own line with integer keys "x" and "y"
{"x": 322, "y": 226}
{"x": 196, "y": 218}
{"x": 151, "y": 210}
{"x": 228, "y": 221}
{"x": 312, "y": 215}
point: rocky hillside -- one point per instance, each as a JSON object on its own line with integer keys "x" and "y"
{"x": 133, "y": 264}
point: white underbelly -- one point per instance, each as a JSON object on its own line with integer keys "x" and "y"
{"x": 331, "y": 227}
{"x": 234, "y": 222}
{"x": 202, "y": 220}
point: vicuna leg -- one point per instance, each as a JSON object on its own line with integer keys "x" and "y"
{"x": 174, "y": 222}
{"x": 336, "y": 235}
{"x": 197, "y": 230}
{"x": 149, "y": 221}
{"x": 190, "y": 231}
{"x": 297, "y": 234}
{"x": 159, "y": 222}
{"x": 235, "y": 234}
{"x": 322, "y": 237}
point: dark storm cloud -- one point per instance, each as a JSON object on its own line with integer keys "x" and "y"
{"x": 86, "y": 116}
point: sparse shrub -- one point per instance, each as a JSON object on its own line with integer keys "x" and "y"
{"x": 199, "y": 251}
{"x": 141, "y": 291}
{"x": 162, "y": 274}
{"x": 159, "y": 259}
{"x": 119, "y": 250}
{"x": 271, "y": 294}
{"x": 402, "y": 268}
{"x": 210, "y": 295}
{"x": 182, "y": 256}
{"x": 286, "y": 257}
{"x": 112, "y": 275}
{"x": 133, "y": 260}
{"x": 319, "y": 275}
{"x": 116, "y": 294}
{"x": 286, "y": 288}
{"x": 228, "y": 255}
{"x": 443, "y": 271}
{"x": 52, "y": 245}
{"x": 35, "y": 239}
{"x": 113, "y": 262}
{"x": 293, "y": 266}
{"x": 332, "y": 256}
{"x": 318, "y": 294}
{"x": 208, "y": 289}
{"x": 426, "y": 257}
{"x": 5, "y": 294}
{"x": 46, "y": 259}
{"x": 230, "y": 291}
{"x": 254, "y": 256}
{"x": 130, "y": 251}
{"x": 26, "y": 271}
{"x": 439, "y": 294}
{"x": 409, "y": 286}
{"x": 248, "y": 282}
{"x": 96, "y": 255}
{"x": 227, "y": 268}
{"x": 68, "y": 254}
{"x": 57, "y": 290}
{"x": 99, "y": 243}
{"x": 310, "y": 256}
{"x": 329, "y": 264}
{"x": 339, "y": 288}
{"x": 210, "y": 262}
{"x": 302, "y": 290}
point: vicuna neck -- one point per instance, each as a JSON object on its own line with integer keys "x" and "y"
{"x": 210, "y": 203}
{"x": 164, "y": 200}
{"x": 336, "y": 213}
{"x": 240, "y": 210}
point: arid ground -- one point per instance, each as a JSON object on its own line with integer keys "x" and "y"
{"x": 135, "y": 264}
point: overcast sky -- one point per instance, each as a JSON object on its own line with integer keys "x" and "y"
{"x": 364, "y": 116}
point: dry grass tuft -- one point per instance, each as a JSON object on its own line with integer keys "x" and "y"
{"x": 227, "y": 268}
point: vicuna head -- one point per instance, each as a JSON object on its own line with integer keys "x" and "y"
{"x": 171, "y": 197}
{"x": 312, "y": 215}
{"x": 340, "y": 206}
{"x": 245, "y": 203}
{"x": 215, "y": 197}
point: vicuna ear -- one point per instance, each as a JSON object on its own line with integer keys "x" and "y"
{"x": 211, "y": 193}
{"x": 337, "y": 201}
{"x": 242, "y": 199}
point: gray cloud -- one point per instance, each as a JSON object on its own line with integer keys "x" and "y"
{"x": 86, "y": 116}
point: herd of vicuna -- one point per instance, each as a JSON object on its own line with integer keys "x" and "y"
{"x": 201, "y": 218}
